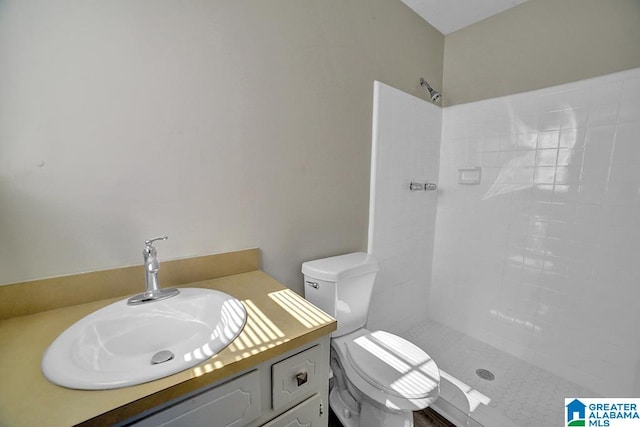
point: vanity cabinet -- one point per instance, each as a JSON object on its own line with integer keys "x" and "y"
{"x": 275, "y": 373}
{"x": 287, "y": 391}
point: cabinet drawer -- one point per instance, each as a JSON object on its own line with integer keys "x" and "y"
{"x": 309, "y": 413}
{"x": 296, "y": 378}
{"x": 235, "y": 403}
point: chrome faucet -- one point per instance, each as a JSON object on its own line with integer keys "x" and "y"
{"x": 151, "y": 267}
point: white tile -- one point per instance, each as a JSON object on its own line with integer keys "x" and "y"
{"x": 568, "y": 156}
{"x": 573, "y": 138}
{"x": 574, "y": 118}
{"x": 602, "y": 114}
{"x": 546, "y": 157}
{"x": 490, "y": 143}
{"x": 600, "y": 135}
{"x": 607, "y": 92}
{"x": 565, "y": 176}
{"x": 550, "y": 121}
{"x": 627, "y": 145}
{"x": 626, "y": 195}
{"x": 631, "y": 89}
{"x": 526, "y": 140}
{"x": 629, "y": 111}
{"x": 587, "y": 213}
{"x": 622, "y": 216}
{"x": 565, "y": 189}
{"x": 544, "y": 175}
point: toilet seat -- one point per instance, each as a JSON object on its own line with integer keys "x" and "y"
{"x": 389, "y": 370}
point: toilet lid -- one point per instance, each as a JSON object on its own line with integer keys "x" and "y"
{"x": 393, "y": 364}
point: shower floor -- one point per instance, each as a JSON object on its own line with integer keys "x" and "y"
{"x": 520, "y": 395}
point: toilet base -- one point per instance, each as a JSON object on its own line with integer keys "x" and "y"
{"x": 369, "y": 415}
{"x": 347, "y": 416}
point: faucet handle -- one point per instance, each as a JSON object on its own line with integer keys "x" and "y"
{"x": 150, "y": 241}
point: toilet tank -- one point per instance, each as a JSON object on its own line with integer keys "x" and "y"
{"x": 341, "y": 286}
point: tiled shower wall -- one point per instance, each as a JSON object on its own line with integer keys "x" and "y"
{"x": 542, "y": 259}
{"x": 406, "y": 143}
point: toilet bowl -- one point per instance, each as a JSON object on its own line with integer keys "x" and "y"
{"x": 379, "y": 378}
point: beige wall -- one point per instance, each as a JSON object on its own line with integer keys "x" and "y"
{"x": 538, "y": 44}
{"x": 224, "y": 124}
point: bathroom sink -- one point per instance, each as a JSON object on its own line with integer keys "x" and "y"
{"x": 122, "y": 345}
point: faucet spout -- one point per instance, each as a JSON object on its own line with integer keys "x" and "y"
{"x": 151, "y": 265}
{"x": 152, "y": 285}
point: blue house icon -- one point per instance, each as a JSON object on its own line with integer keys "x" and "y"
{"x": 573, "y": 407}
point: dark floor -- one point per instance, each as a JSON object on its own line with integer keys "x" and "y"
{"x": 425, "y": 418}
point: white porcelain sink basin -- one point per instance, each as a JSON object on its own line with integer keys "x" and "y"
{"x": 122, "y": 345}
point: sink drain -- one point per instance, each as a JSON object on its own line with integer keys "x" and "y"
{"x": 485, "y": 374}
{"x": 161, "y": 357}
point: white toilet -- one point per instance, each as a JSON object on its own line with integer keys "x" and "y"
{"x": 379, "y": 378}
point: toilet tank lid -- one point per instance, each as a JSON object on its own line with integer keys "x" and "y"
{"x": 340, "y": 267}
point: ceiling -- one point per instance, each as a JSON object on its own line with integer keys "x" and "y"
{"x": 448, "y": 16}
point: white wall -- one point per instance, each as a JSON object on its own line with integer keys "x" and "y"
{"x": 541, "y": 259}
{"x": 406, "y": 144}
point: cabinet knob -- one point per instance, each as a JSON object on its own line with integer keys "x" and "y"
{"x": 301, "y": 377}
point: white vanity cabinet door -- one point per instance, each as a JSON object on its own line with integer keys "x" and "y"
{"x": 310, "y": 413}
{"x": 235, "y": 403}
{"x": 296, "y": 378}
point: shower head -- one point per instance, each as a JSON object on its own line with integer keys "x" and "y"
{"x": 435, "y": 95}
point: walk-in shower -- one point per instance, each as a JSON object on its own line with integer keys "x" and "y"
{"x": 531, "y": 274}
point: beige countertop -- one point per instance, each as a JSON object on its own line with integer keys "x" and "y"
{"x": 278, "y": 320}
